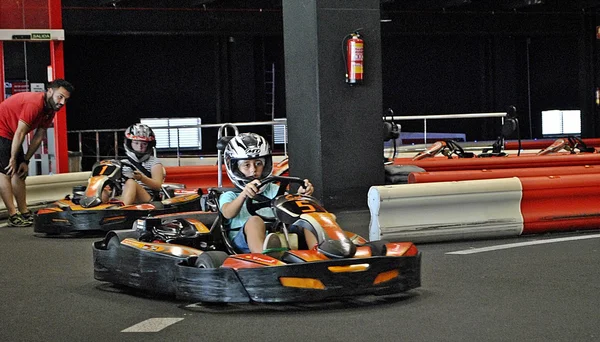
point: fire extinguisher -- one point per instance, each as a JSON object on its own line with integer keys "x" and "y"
{"x": 354, "y": 58}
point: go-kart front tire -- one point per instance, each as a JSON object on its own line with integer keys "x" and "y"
{"x": 211, "y": 259}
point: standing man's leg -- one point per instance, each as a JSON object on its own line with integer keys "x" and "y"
{"x": 7, "y": 194}
{"x": 18, "y": 189}
{"x": 6, "y": 191}
{"x": 7, "y": 187}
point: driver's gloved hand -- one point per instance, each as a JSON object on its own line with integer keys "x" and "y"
{"x": 251, "y": 189}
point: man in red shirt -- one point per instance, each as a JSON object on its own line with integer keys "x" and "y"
{"x": 19, "y": 115}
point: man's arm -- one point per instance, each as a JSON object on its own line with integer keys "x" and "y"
{"x": 35, "y": 142}
{"x": 17, "y": 142}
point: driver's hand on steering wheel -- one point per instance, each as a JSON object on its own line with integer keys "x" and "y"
{"x": 251, "y": 189}
{"x": 307, "y": 189}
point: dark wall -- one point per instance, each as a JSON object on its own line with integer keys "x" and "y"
{"x": 133, "y": 63}
{"x": 121, "y": 79}
{"x": 443, "y": 74}
{"x": 25, "y": 60}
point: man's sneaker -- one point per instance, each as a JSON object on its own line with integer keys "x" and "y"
{"x": 17, "y": 220}
{"x": 27, "y": 217}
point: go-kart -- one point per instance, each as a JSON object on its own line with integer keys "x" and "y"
{"x": 187, "y": 256}
{"x": 571, "y": 144}
{"x": 85, "y": 212}
{"x": 445, "y": 147}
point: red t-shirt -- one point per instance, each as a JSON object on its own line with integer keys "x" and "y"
{"x": 26, "y": 107}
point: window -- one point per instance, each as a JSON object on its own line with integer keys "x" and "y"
{"x": 172, "y": 132}
{"x": 280, "y": 132}
{"x": 561, "y": 122}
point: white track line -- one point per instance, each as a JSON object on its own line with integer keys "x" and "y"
{"x": 523, "y": 244}
{"x": 152, "y": 325}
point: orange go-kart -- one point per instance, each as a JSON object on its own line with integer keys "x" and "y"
{"x": 189, "y": 256}
{"x": 85, "y": 212}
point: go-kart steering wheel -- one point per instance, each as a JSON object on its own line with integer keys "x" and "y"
{"x": 577, "y": 143}
{"x": 261, "y": 201}
{"x": 452, "y": 147}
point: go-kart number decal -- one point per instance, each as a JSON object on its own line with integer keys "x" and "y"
{"x": 106, "y": 169}
{"x": 305, "y": 204}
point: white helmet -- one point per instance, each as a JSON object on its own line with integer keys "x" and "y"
{"x": 139, "y": 132}
{"x": 246, "y": 146}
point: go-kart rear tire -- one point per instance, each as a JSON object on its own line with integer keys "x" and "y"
{"x": 113, "y": 243}
{"x": 211, "y": 259}
{"x": 377, "y": 247}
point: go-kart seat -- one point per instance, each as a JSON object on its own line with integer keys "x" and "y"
{"x": 212, "y": 202}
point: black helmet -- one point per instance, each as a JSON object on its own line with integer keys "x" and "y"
{"x": 247, "y": 146}
{"x": 139, "y": 132}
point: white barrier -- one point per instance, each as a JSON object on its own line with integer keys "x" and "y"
{"x": 48, "y": 188}
{"x": 444, "y": 211}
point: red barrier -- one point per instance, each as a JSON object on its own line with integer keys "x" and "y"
{"x": 446, "y": 176}
{"x": 445, "y": 164}
{"x": 562, "y": 203}
{"x": 196, "y": 176}
{"x": 205, "y": 176}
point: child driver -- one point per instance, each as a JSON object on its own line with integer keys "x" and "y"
{"x": 248, "y": 160}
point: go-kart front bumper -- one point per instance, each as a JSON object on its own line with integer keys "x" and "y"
{"x": 301, "y": 282}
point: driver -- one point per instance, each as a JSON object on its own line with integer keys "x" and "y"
{"x": 144, "y": 182}
{"x": 248, "y": 160}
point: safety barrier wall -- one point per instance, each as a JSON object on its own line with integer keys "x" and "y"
{"x": 560, "y": 203}
{"x": 196, "y": 176}
{"x": 489, "y": 208}
{"x": 446, "y": 176}
{"x": 49, "y": 188}
{"x": 434, "y": 212}
{"x": 445, "y": 164}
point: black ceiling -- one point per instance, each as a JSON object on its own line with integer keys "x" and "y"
{"x": 386, "y": 5}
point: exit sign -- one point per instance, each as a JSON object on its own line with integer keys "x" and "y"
{"x": 41, "y": 36}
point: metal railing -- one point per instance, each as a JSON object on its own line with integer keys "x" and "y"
{"x": 444, "y": 116}
{"x": 119, "y": 132}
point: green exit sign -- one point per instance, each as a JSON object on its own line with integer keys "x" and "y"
{"x": 42, "y": 36}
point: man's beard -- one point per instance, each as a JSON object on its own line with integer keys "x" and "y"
{"x": 53, "y": 104}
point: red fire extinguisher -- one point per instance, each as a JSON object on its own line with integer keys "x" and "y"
{"x": 354, "y": 58}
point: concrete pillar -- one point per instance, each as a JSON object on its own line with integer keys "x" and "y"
{"x": 335, "y": 130}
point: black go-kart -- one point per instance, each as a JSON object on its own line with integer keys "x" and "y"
{"x": 83, "y": 212}
{"x": 189, "y": 256}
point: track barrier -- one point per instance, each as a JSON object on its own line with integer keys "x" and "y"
{"x": 445, "y": 211}
{"x": 446, "y": 176}
{"x": 445, "y": 164}
{"x": 488, "y": 208}
{"x": 49, "y": 188}
{"x": 430, "y": 212}
{"x": 196, "y": 176}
